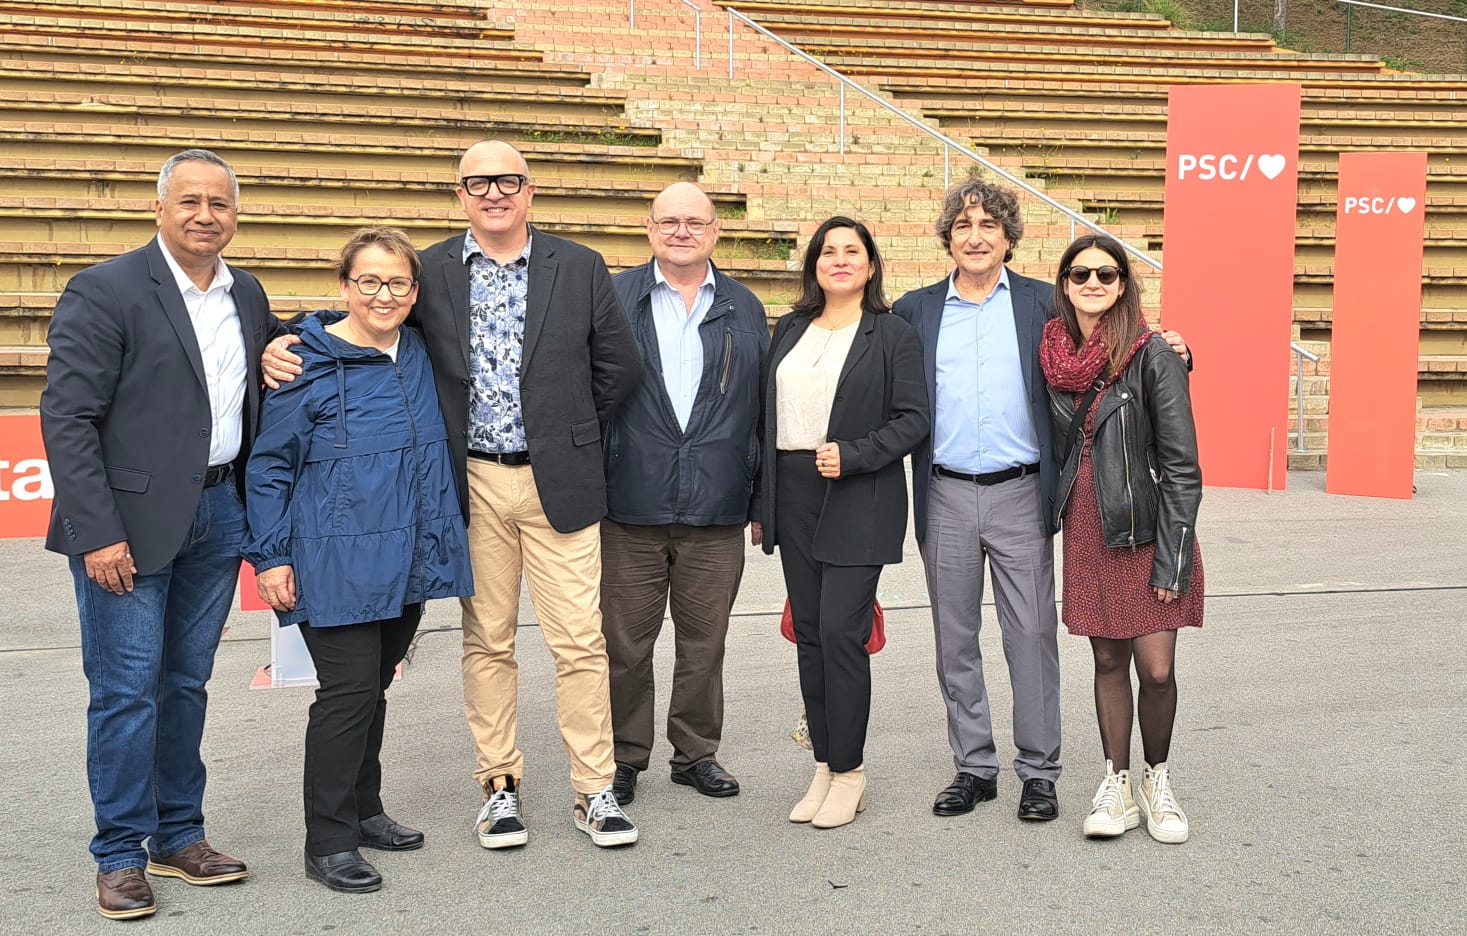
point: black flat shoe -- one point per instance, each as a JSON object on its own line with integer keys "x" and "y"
{"x": 966, "y": 791}
{"x": 624, "y": 786}
{"x": 346, "y": 871}
{"x": 1039, "y": 802}
{"x": 383, "y": 833}
{"x": 708, "y": 778}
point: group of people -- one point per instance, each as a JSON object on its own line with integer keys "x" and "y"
{"x": 497, "y": 407}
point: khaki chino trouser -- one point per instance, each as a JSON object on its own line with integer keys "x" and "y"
{"x": 509, "y": 534}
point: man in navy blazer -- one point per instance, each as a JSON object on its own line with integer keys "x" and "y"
{"x": 150, "y": 405}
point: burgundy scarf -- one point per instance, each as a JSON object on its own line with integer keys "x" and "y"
{"x": 1075, "y": 369}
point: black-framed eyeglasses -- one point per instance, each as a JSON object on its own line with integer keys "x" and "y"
{"x": 667, "y": 227}
{"x": 508, "y": 183}
{"x": 1080, "y": 275}
{"x": 399, "y": 286}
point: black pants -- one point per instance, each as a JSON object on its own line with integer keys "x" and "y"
{"x": 343, "y": 778}
{"x": 831, "y": 606}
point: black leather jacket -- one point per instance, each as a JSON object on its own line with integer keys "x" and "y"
{"x": 1147, "y": 480}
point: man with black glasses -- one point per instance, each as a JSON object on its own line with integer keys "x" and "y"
{"x": 531, "y": 356}
{"x": 680, "y": 465}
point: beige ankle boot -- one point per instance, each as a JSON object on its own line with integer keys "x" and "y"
{"x": 847, "y": 797}
{"x": 806, "y": 808}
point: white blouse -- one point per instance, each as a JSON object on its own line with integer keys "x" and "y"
{"x": 804, "y": 386}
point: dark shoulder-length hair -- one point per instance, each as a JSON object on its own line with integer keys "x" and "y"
{"x": 812, "y": 297}
{"x": 1121, "y": 322}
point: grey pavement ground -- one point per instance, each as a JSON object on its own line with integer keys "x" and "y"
{"x": 1319, "y": 753}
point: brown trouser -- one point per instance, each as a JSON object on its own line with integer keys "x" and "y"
{"x": 508, "y": 534}
{"x": 644, "y": 569}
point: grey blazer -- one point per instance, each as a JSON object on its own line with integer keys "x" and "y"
{"x": 125, "y": 412}
{"x": 580, "y": 362}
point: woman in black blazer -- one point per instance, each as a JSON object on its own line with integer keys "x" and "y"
{"x": 844, "y": 400}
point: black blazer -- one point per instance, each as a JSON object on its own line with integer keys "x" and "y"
{"x": 1033, "y": 302}
{"x": 879, "y": 415}
{"x": 125, "y": 413}
{"x": 580, "y": 361}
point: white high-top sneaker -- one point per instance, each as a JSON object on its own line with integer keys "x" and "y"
{"x": 1115, "y": 809}
{"x": 1164, "y": 817}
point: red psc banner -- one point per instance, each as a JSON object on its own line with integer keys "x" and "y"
{"x": 1232, "y": 160}
{"x": 25, "y": 478}
{"x": 1380, "y": 223}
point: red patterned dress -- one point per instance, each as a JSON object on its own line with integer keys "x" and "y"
{"x": 1107, "y": 592}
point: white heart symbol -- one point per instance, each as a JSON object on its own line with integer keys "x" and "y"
{"x": 1272, "y": 165}
{"x": 1405, "y": 204}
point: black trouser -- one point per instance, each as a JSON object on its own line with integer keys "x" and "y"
{"x": 831, "y": 606}
{"x": 343, "y": 778}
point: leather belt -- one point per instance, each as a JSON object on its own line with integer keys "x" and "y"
{"x": 991, "y": 477}
{"x": 507, "y": 459}
{"x": 217, "y": 474}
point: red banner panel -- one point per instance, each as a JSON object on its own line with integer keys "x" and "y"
{"x": 25, "y": 478}
{"x": 1380, "y": 223}
{"x": 1232, "y": 160}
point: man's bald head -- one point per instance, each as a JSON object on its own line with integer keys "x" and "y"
{"x": 498, "y": 219}
{"x": 680, "y": 207}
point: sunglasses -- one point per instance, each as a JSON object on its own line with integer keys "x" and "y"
{"x": 1080, "y": 275}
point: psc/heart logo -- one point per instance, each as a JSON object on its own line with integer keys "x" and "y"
{"x": 1379, "y": 205}
{"x": 1229, "y": 167}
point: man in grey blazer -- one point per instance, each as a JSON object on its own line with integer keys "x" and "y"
{"x": 531, "y": 357}
{"x": 152, "y": 392}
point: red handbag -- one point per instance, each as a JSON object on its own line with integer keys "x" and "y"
{"x": 873, "y": 645}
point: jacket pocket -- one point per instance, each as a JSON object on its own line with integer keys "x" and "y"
{"x": 128, "y": 479}
{"x": 584, "y": 433}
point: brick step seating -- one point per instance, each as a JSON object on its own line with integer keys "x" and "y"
{"x": 1047, "y": 146}
{"x": 388, "y": 9}
{"x": 490, "y": 43}
{"x": 975, "y": 77}
{"x": 1445, "y": 97}
{"x": 183, "y": 115}
{"x": 319, "y": 57}
{"x": 776, "y": 15}
{"x": 1146, "y": 175}
{"x": 757, "y": 8}
{"x": 455, "y": 23}
{"x": 470, "y": 94}
{"x": 856, "y": 58}
{"x": 365, "y": 190}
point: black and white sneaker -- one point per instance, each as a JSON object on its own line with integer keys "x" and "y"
{"x": 499, "y": 824}
{"x": 601, "y": 817}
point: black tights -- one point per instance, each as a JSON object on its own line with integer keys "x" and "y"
{"x": 1155, "y": 656}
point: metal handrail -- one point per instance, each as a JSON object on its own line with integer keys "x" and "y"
{"x": 949, "y": 144}
{"x": 1300, "y": 353}
{"x": 1380, "y": 6}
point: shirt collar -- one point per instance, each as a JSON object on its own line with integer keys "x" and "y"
{"x": 223, "y": 278}
{"x": 472, "y": 249}
{"x": 660, "y": 280}
{"x": 952, "y": 284}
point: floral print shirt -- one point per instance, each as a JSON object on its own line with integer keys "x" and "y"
{"x": 496, "y": 346}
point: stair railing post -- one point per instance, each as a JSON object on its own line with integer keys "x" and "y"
{"x": 842, "y": 118}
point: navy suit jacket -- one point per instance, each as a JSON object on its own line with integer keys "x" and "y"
{"x": 125, "y": 413}
{"x": 1033, "y": 302}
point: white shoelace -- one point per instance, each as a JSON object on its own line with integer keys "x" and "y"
{"x": 602, "y": 806}
{"x": 1163, "y": 801}
{"x": 1108, "y": 798}
{"x": 501, "y": 805}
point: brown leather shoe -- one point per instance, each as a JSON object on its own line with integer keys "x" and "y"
{"x": 199, "y": 864}
{"x": 125, "y": 894}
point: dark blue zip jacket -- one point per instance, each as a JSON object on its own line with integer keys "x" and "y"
{"x": 350, "y": 482}
{"x": 655, "y": 472}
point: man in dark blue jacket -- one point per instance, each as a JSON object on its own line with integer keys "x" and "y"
{"x": 680, "y": 466}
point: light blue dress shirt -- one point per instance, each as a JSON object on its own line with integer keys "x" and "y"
{"x": 679, "y": 346}
{"x": 982, "y": 420}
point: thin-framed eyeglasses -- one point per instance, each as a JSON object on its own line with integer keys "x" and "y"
{"x": 508, "y": 183}
{"x": 1080, "y": 275}
{"x": 667, "y": 227}
{"x": 368, "y": 285}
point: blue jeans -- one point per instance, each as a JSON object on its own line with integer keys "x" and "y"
{"x": 147, "y": 655}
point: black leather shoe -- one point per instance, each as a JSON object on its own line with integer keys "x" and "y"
{"x": 346, "y": 871}
{"x": 1039, "y": 802}
{"x": 708, "y": 778}
{"x": 966, "y": 791}
{"x": 384, "y": 834}
{"x": 624, "y": 786}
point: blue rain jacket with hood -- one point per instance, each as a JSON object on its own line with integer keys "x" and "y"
{"x": 351, "y": 483}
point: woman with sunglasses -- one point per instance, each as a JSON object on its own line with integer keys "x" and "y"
{"x": 353, "y": 523}
{"x": 1128, "y": 495}
{"x": 844, "y": 400}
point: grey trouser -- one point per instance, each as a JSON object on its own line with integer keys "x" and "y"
{"x": 1003, "y": 523}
